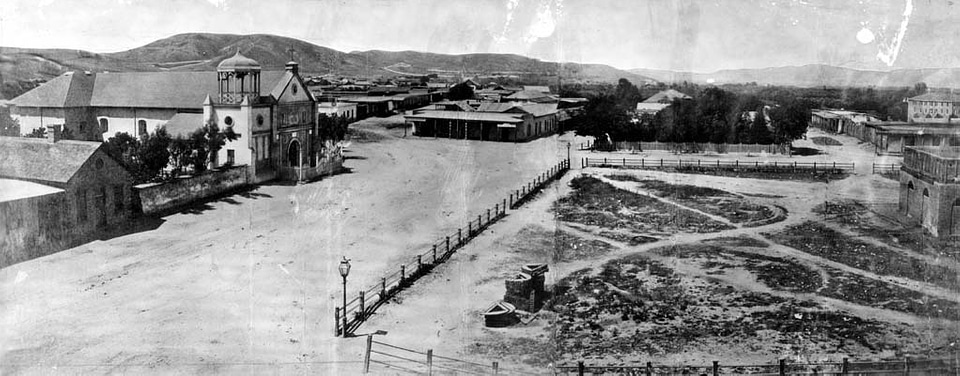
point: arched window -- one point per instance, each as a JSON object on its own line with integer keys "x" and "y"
{"x": 142, "y": 127}
{"x": 926, "y": 193}
{"x": 104, "y": 125}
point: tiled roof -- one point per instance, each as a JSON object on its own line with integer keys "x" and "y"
{"x": 527, "y": 94}
{"x": 71, "y": 89}
{"x": 185, "y": 90}
{"x": 666, "y": 96}
{"x": 37, "y": 159}
{"x": 937, "y": 97}
{"x": 495, "y": 107}
{"x": 469, "y": 116}
{"x": 540, "y": 109}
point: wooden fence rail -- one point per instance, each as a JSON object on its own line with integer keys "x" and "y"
{"x": 400, "y": 359}
{"x": 719, "y": 165}
{"x": 891, "y": 170}
{"x": 897, "y": 367}
{"x": 684, "y": 147}
{"x": 366, "y": 302}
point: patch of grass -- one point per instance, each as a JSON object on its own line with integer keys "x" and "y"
{"x": 858, "y": 289}
{"x": 596, "y": 203}
{"x": 820, "y": 240}
{"x": 775, "y": 272}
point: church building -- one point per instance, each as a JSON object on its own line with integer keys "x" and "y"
{"x": 272, "y": 111}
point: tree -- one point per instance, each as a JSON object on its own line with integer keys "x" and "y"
{"x": 627, "y": 94}
{"x": 460, "y": 91}
{"x": 9, "y": 126}
{"x": 37, "y": 133}
{"x": 180, "y": 150}
{"x": 789, "y": 121}
{"x": 920, "y": 88}
{"x": 124, "y": 149}
{"x": 331, "y": 128}
{"x": 213, "y": 140}
{"x": 154, "y": 153}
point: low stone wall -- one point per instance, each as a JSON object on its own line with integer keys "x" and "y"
{"x": 156, "y": 198}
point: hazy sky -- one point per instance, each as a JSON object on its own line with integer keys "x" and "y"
{"x": 683, "y": 35}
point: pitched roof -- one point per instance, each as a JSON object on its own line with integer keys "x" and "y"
{"x": 183, "y": 90}
{"x": 527, "y": 94}
{"x": 68, "y": 90}
{"x": 164, "y": 89}
{"x": 38, "y": 159}
{"x": 11, "y": 190}
{"x": 666, "y": 96}
{"x": 937, "y": 97}
{"x": 469, "y": 116}
{"x": 542, "y": 89}
{"x": 539, "y": 109}
{"x": 495, "y": 107}
{"x": 651, "y": 107}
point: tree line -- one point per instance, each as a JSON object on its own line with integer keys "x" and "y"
{"x": 713, "y": 115}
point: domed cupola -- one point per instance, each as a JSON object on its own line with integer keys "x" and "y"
{"x": 239, "y": 77}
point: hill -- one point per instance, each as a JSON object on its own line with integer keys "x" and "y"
{"x": 815, "y": 75}
{"x": 22, "y": 68}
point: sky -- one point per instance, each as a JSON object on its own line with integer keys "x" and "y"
{"x": 682, "y": 35}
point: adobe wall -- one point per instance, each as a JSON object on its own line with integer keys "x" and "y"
{"x": 158, "y": 198}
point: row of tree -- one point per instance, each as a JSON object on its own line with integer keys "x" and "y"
{"x": 713, "y": 115}
{"x": 149, "y": 156}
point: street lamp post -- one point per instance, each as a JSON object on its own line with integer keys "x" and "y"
{"x": 344, "y": 271}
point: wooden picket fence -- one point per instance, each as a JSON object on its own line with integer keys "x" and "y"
{"x": 897, "y": 367}
{"x": 366, "y": 302}
{"x": 685, "y": 147}
{"x": 720, "y": 165}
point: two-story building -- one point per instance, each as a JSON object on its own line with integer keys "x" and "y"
{"x": 930, "y": 188}
{"x": 937, "y": 107}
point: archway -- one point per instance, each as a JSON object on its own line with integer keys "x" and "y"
{"x": 923, "y": 207}
{"x": 293, "y": 153}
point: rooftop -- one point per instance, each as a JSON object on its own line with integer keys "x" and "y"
{"x": 948, "y": 152}
{"x": 38, "y": 159}
{"x": 937, "y": 97}
{"x": 468, "y": 116}
{"x": 238, "y": 63}
{"x": 666, "y": 96}
{"x": 11, "y": 190}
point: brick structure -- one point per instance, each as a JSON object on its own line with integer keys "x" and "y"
{"x": 526, "y": 291}
{"x": 930, "y": 188}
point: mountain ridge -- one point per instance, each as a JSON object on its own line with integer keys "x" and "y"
{"x": 203, "y": 51}
{"x": 813, "y": 75}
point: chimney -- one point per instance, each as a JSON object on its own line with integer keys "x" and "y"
{"x": 293, "y": 67}
{"x": 53, "y": 132}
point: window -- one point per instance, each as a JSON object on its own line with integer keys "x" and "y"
{"x": 81, "y": 205}
{"x": 231, "y": 155}
{"x": 228, "y": 121}
{"x": 104, "y": 125}
{"x": 118, "y": 198}
{"x": 259, "y": 119}
{"x": 142, "y": 127}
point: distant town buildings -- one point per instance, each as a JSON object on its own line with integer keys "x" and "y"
{"x": 934, "y": 107}
{"x": 659, "y": 101}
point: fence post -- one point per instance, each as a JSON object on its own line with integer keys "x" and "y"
{"x": 488, "y": 216}
{"x": 469, "y": 229}
{"x": 649, "y": 369}
{"x": 496, "y": 368}
{"x": 419, "y": 264}
{"x": 511, "y": 200}
{"x": 783, "y": 367}
{"x": 383, "y": 288}
{"x": 661, "y": 163}
{"x": 624, "y": 162}
{"x": 430, "y": 362}
{"x": 504, "y": 206}
{"x": 845, "y": 367}
{"x": 362, "y": 306}
{"x": 496, "y": 211}
{"x": 336, "y": 321}
{"x": 459, "y": 236}
{"x": 366, "y": 357}
{"x": 716, "y": 368}
{"x": 906, "y": 365}
{"x": 434, "y": 254}
{"x": 403, "y": 273}
{"x": 448, "y": 246}
{"x": 580, "y": 368}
